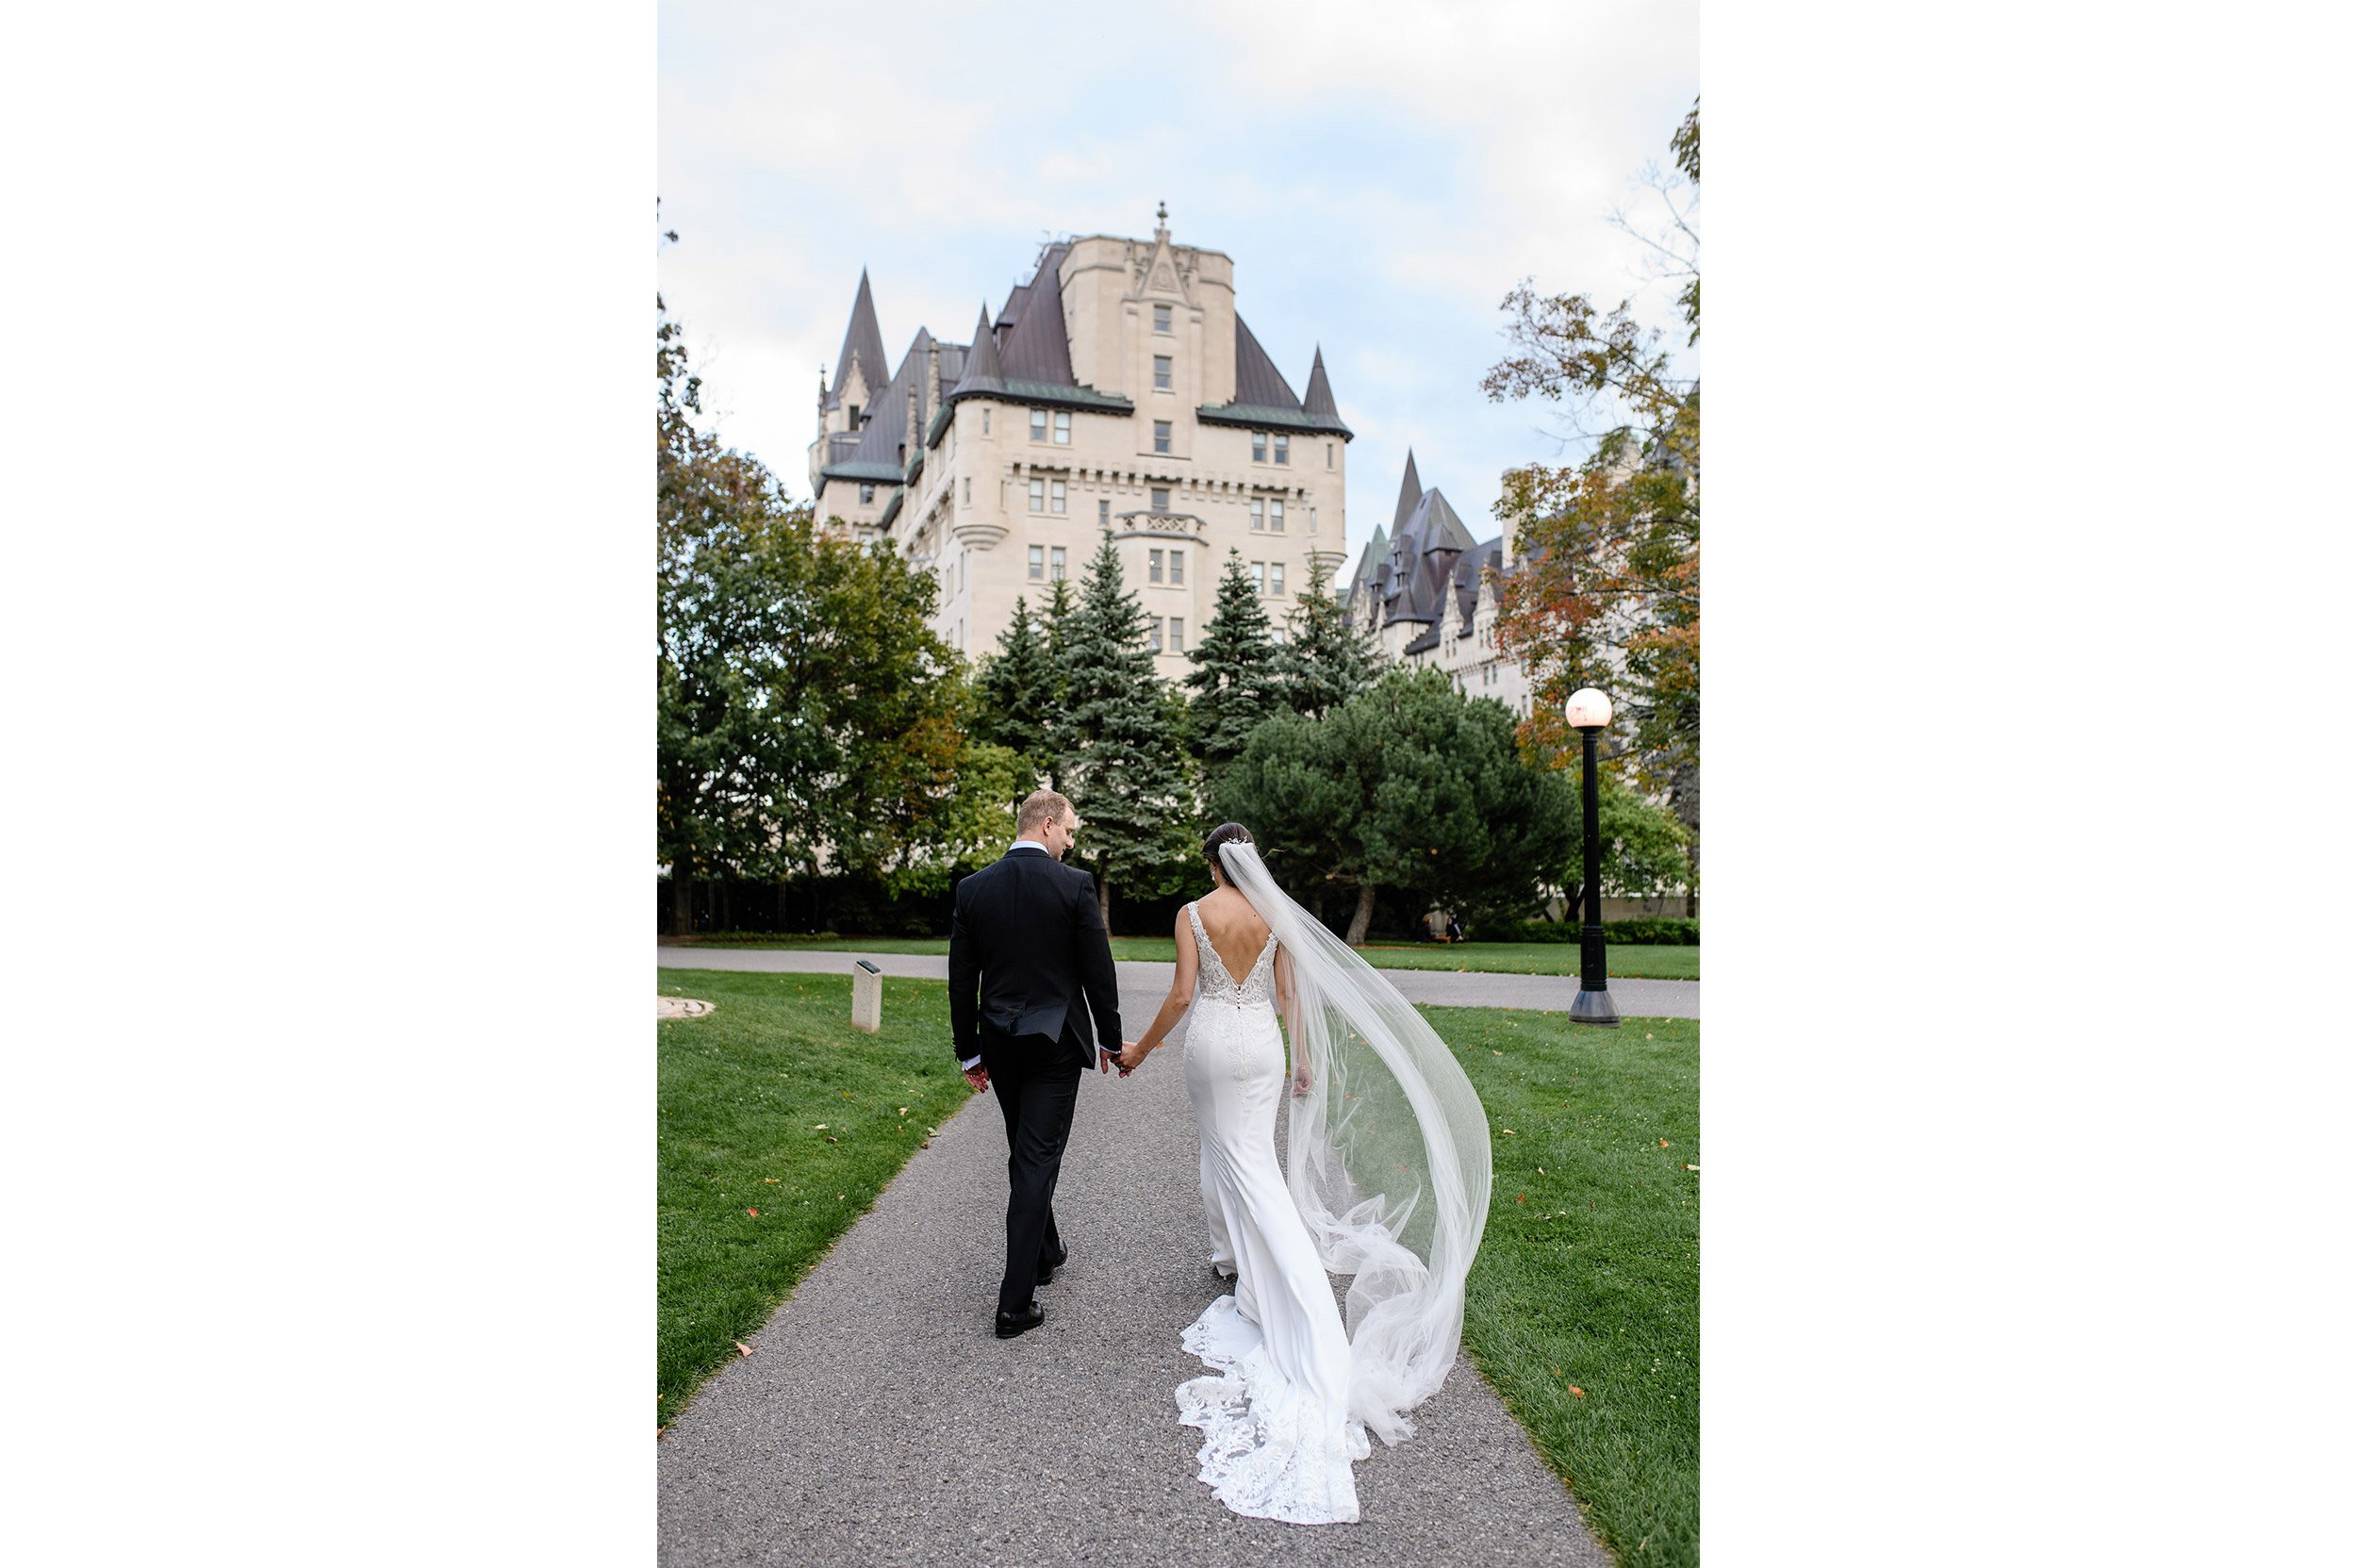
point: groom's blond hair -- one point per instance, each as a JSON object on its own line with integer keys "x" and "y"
{"x": 1039, "y": 808}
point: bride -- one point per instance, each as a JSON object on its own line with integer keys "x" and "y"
{"x": 1388, "y": 1183}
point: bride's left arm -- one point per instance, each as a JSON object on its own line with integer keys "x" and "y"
{"x": 1288, "y": 1009}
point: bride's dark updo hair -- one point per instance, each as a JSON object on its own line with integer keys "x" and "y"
{"x": 1227, "y": 832}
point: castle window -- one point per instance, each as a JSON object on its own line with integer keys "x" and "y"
{"x": 1064, "y": 430}
{"x": 1161, "y": 318}
{"x": 1177, "y": 634}
{"x": 969, "y": 492}
{"x": 1039, "y": 562}
{"x": 1039, "y": 424}
{"x": 1160, "y": 499}
{"x": 1277, "y": 577}
{"x": 1161, "y": 435}
{"x": 1055, "y": 563}
{"x": 986, "y": 431}
{"x": 1329, "y": 454}
{"x": 1179, "y": 567}
{"x": 1161, "y": 372}
{"x": 1260, "y": 577}
{"x": 1259, "y": 446}
{"x": 1153, "y": 566}
{"x": 1259, "y": 513}
{"x": 854, "y": 411}
{"x": 1276, "y": 516}
{"x": 1104, "y": 514}
{"x": 1284, "y": 450}
{"x": 1155, "y": 625}
{"x": 1055, "y": 496}
{"x": 867, "y": 495}
{"x": 1039, "y": 495}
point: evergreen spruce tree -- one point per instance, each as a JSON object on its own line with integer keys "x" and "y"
{"x": 1235, "y": 677}
{"x": 1014, "y": 691}
{"x": 1121, "y": 765}
{"x": 1326, "y": 659}
{"x": 1056, "y": 630}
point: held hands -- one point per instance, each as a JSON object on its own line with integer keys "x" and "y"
{"x": 978, "y": 1079}
{"x": 1132, "y": 1052}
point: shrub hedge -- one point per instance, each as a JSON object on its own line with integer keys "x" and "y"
{"x": 1655, "y": 932}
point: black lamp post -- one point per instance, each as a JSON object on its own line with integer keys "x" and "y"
{"x": 1588, "y": 711}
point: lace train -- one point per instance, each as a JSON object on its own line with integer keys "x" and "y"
{"x": 1269, "y": 1449}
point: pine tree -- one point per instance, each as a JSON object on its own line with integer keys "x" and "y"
{"x": 1235, "y": 676}
{"x": 1014, "y": 691}
{"x": 1121, "y": 765}
{"x": 1326, "y": 660}
{"x": 1055, "y": 629}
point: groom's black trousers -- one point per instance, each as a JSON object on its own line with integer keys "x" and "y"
{"x": 1037, "y": 1081}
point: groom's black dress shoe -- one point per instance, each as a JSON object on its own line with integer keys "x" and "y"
{"x": 1012, "y": 1324}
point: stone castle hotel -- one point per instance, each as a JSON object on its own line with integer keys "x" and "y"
{"x": 1119, "y": 389}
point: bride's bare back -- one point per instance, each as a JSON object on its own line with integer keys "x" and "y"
{"x": 1237, "y": 931}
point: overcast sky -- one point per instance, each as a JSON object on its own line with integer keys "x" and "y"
{"x": 1381, "y": 172}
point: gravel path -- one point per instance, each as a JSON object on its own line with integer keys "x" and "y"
{"x": 878, "y": 1421}
{"x": 1635, "y": 999}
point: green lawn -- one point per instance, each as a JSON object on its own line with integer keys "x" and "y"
{"x": 1588, "y": 1275}
{"x": 1506, "y": 958}
{"x": 738, "y": 1096}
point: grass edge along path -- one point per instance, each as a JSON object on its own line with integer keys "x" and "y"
{"x": 1583, "y": 1308}
{"x": 778, "y": 1125}
{"x": 1624, "y": 961}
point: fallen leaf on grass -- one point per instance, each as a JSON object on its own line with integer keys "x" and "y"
{"x": 831, "y": 1138}
{"x": 927, "y": 1144}
{"x": 772, "y": 1181}
{"x": 818, "y": 1127}
{"x": 1693, "y": 1167}
{"x": 904, "y": 1110}
{"x": 1507, "y": 1130}
{"x": 1577, "y": 1392}
{"x": 742, "y": 1348}
{"x": 1518, "y": 1197}
{"x": 1665, "y": 1143}
{"x": 755, "y": 1212}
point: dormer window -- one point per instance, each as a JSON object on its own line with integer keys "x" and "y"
{"x": 854, "y": 408}
{"x": 1161, "y": 318}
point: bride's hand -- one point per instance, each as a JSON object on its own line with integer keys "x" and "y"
{"x": 1131, "y": 1054}
{"x": 1301, "y": 1081}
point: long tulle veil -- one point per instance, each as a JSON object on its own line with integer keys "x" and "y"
{"x": 1387, "y": 1157}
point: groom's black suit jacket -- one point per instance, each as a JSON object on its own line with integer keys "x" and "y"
{"x": 1027, "y": 945}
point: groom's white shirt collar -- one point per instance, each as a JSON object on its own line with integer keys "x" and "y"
{"x": 971, "y": 1063}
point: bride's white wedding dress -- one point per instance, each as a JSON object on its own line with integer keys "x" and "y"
{"x": 1278, "y": 1438}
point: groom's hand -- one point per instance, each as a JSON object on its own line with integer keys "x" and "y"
{"x": 978, "y": 1078}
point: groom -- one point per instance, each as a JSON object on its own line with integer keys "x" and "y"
{"x": 1026, "y": 943}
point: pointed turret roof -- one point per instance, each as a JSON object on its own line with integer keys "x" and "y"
{"x": 1371, "y": 558}
{"x": 1410, "y": 492}
{"x": 862, "y": 345}
{"x": 983, "y": 373}
{"x": 1264, "y": 398}
{"x": 1319, "y": 401}
{"x": 1259, "y": 383}
{"x": 1036, "y": 348}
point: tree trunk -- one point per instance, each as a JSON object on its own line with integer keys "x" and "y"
{"x": 683, "y": 900}
{"x": 1357, "y": 936}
